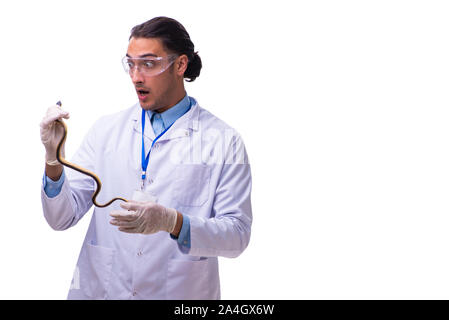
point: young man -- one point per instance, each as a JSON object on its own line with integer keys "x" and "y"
{"x": 184, "y": 172}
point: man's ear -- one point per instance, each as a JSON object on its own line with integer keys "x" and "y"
{"x": 181, "y": 63}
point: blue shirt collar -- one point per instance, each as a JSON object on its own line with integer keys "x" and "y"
{"x": 174, "y": 113}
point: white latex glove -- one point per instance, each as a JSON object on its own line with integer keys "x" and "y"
{"x": 52, "y": 132}
{"x": 144, "y": 217}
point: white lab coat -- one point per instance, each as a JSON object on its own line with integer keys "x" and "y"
{"x": 199, "y": 167}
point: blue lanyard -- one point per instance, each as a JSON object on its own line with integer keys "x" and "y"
{"x": 146, "y": 160}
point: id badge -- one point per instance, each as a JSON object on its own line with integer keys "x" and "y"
{"x": 144, "y": 196}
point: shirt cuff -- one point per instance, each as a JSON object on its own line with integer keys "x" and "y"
{"x": 184, "y": 235}
{"x": 53, "y": 188}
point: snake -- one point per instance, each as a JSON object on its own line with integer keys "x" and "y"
{"x": 75, "y": 167}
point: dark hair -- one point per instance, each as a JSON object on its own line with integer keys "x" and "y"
{"x": 175, "y": 39}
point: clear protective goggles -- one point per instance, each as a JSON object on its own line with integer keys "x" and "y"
{"x": 148, "y": 66}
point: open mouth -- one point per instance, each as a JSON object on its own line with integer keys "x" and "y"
{"x": 142, "y": 93}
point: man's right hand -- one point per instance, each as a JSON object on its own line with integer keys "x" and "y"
{"x": 52, "y": 132}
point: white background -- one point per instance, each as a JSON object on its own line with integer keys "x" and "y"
{"x": 343, "y": 107}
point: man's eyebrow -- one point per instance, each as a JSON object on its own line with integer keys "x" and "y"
{"x": 144, "y": 55}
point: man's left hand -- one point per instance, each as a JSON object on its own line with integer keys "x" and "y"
{"x": 144, "y": 217}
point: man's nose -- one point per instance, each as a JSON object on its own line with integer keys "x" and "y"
{"x": 136, "y": 76}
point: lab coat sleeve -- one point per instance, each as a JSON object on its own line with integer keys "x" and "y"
{"x": 69, "y": 206}
{"x": 227, "y": 232}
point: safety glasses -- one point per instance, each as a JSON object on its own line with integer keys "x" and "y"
{"x": 148, "y": 66}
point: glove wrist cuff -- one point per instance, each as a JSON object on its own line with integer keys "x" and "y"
{"x": 51, "y": 161}
{"x": 173, "y": 219}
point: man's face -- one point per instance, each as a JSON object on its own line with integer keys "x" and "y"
{"x": 154, "y": 92}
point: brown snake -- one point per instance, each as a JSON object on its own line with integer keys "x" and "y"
{"x": 82, "y": 170}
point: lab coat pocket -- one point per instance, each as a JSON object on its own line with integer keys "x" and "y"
{"x": 95, "y": 270}
{"x": 192, "y": 184}
{"x": 188, "y": 280}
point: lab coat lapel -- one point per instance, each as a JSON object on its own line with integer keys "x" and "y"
{"x": 180, "y": 129}
{"x": 137, "y": 118}
{"x": 183, "y": 126}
